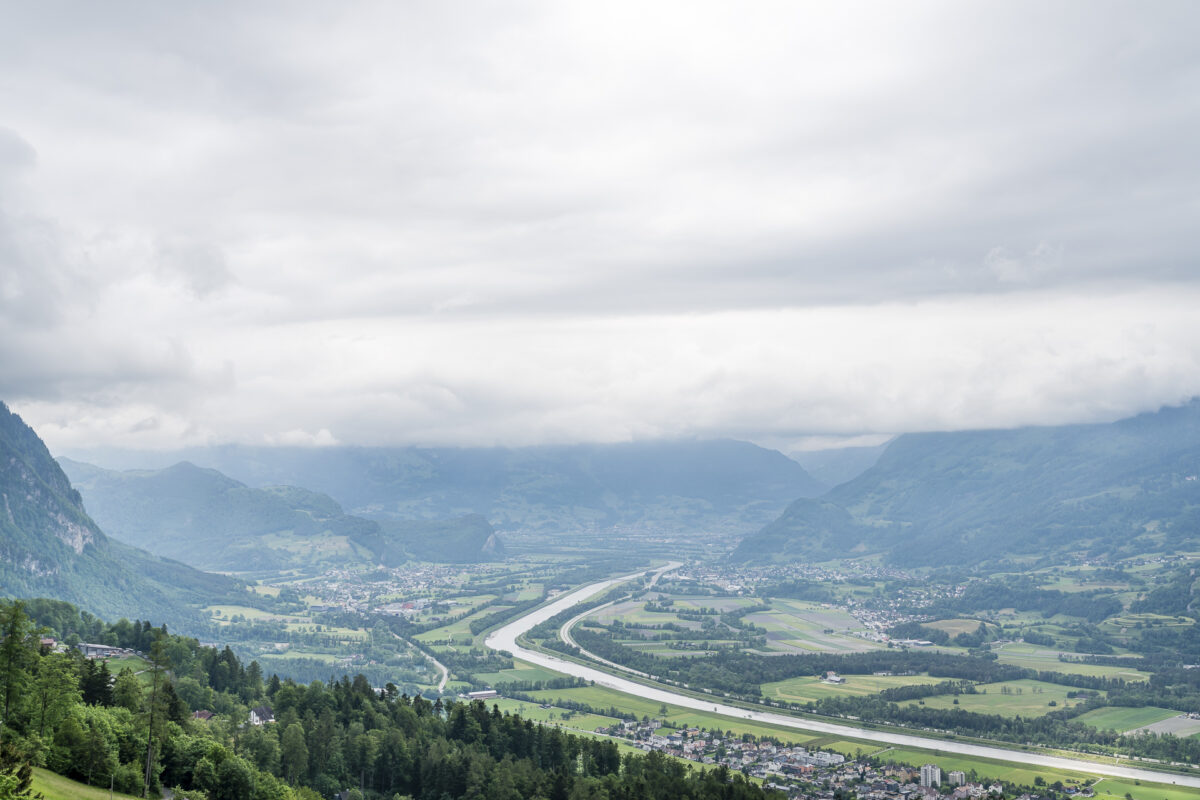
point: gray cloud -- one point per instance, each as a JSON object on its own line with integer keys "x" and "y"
{"x": 555, "y": 221}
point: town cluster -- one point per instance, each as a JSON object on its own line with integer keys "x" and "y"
{"x": 812, "y": 773}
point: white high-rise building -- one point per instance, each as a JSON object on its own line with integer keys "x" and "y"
{"x": 957, "y": 777}
{"x": 931, "y": 775}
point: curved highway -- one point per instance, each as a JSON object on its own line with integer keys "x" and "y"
{"x": 505, "y": 638}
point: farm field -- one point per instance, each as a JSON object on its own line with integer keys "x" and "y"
{"x": 521, "y": 671}
{"x": 459, "y": 630}
{"x": 634, "y": 613}
{"x": 796, "y": 626}
{"x": 694, "y": 603}
{"x": 1118, "y": 788}
{"x": 954, "y": 626}
{"x": 600, "y": 698}
{"x": 984, "y": 767}
{"x": 809, "y": 688}
{"x": 1023, "y": 698}
{"x": 554, "y": 715}
{"x": 1125, "y": 719}
{"x": 1040, "y": 658}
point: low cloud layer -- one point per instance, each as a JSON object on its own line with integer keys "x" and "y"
{"x": 556, "y": 222}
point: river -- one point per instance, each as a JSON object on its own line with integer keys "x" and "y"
{"x": 505, "y": 638}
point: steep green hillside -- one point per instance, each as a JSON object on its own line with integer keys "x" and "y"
{"x": 964, "y": 498}
{"x": 206, "y": 519}
{"x": 211, "y": 521}
{"x": 50, "y": 547}
{"x": 697, "y": 487}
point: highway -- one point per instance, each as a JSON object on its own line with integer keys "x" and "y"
{"x": 505, "y": 638}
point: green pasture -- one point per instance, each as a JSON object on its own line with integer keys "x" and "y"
{"x": 635, "y": 613}
{"x": 1134, "y": 621}
{"x": 554, "y": 715}
{"x": 227, "y": 612}
{"x": 985, "y": 768}
{"x": 602, "y": 699}
{"x": 55, "y": 787}
{"x": 1024, "y": 698}
{"x": 1123, "y": 719}
{"x": 1040, "y": 658}
{"x": 954, "y": 626}
{"x": 1119, "y": 787}
{"x": 135, "y": 663}
{"x": 459, "y": 630}
{"x": 522, "y": 671}
{"x": 811, "y": 689}
{"x": 697, "y": 602}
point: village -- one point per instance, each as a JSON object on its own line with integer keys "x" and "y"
{"x": 813, "y": 773}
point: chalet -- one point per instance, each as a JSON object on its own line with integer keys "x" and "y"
{"x": 261, "y": 716}
{"x": 202, "y": 715}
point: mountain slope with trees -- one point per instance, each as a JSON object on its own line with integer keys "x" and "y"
{"x": 140, "y": 736}
{"x": 982, "y": 496}
{"x": 211, "y": 521}
{"x": 49, "y": 546}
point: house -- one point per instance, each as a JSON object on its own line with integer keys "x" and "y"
{"x": 202, "y": 715}
{"x": 261, "y": 715}
{"x": 94, "y": 651}
{"x": 833, "y": 677}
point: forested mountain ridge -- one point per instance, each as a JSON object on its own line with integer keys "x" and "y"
{"x": 969, "y": 497}
{"x": 49, "y": 546}
{"x": 721, "y": 485}
{"x": 212, "y": 521}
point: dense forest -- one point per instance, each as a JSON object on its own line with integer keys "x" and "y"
{"x": 139, "y": 732}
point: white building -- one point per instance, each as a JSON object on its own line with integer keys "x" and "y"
{"x": 931, "y": 775}
{"x": 957, "y": 777}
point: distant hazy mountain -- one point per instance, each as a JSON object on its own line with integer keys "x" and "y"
{"x": 836, "y": 466}
{"x": 209, "y": 520}
{"x": 964, "y": 498}
{"x": 466, "y": 539}
{"x": 723, "y": 485}
{"x": 50, "y": 547}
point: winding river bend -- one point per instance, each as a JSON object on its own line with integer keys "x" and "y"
{"x": 505, "y": 638}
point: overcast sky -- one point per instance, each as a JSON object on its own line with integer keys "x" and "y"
{"x": 518, "y": 223}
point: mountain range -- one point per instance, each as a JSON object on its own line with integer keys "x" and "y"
{"x": 674, "y": 486}
{"x": 211, "y": 521}
{"x": 965, "y": 498}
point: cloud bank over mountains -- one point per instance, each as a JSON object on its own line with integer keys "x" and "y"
{"x": 472, "y": 224}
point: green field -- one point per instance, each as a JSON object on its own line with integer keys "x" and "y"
{"x": 984, "y": 767}
{"x": 459, "y": 630}
{"x": 1025, "y": 698}
{"x": 954, "y": 626}
{"x": 635, "y": 613}
{"x": 554, "y": 716}
{"x": 521, "y": 671}
{"x": 1040, "y": 658}
{"x": 602, "y": 699}
{"x": 800, "y": 626}
{"x": 1119, "y": 787}
{"x": 56, "y": 787}
{"x": 809, "y": 688}
{"x": 1125, "y": 719}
